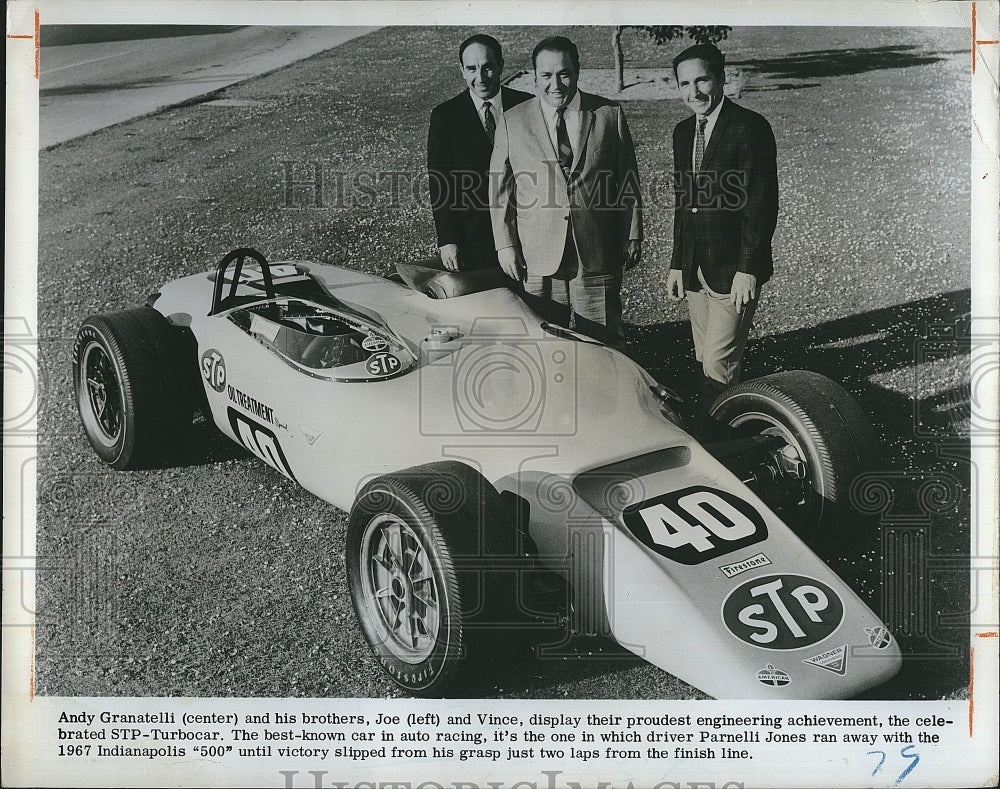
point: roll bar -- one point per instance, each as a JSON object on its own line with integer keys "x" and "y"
{"x": 220, "y": 302}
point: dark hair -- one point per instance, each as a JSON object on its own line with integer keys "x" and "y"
{"x": 556, "y": 44}
{"x": 710, "y": 53}
{"x": 481, "y": 38}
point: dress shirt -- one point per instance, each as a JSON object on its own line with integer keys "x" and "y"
{"x": 496, "y": 107}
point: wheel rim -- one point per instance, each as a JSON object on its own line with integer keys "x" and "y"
{"x": 101, "y": 402}
{"x": 796, "y": 484}
{"x": 400, "y": 588}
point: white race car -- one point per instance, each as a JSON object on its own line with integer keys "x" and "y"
{"x": 477, "y": 447}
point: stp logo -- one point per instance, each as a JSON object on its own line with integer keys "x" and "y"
{"x": 782, "y": 611}
{"x": 382, "y": 364}
{"x": 213, "y": 369}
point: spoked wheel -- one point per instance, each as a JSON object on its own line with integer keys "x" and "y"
{"x": 401, "y": 587}
{"x": 422, "y": 551}
{"x": 102, "y": 407}
{"x": 822, "y": 441}
{"x": 133, "y": 377}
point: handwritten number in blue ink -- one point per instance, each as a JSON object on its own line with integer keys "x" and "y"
{"x": 880, "y": 761}
{"x": 906, "y": 753}
{"x": 914, "y": 756}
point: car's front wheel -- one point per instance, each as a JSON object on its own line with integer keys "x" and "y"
{"x": 132, "y": 386}
{"x": 820, "y": 440}
{"x": 421, "y": 548}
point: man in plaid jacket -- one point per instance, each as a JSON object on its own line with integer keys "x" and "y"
{"x": 726, "y": 189}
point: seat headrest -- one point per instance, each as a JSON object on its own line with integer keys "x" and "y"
{"x": 433, "y": 281}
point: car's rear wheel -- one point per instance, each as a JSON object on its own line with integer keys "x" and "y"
{"x": 822, "y": 442}
{"x": 132, "y": 386}
{"x": 422, "y": 547}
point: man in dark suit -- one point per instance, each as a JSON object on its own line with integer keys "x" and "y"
{"x": 459, "y": 146}
{"x": 564, "y": 192}
{"x": 726, "y": 189}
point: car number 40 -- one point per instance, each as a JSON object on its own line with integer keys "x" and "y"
{"x": 693, "y": 525}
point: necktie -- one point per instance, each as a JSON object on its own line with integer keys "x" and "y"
{"x": 489, "y": 120}
{"x": 564, "y": 150}
{"x": 699, "y": 143}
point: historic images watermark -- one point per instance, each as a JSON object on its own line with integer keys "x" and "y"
{"x": 459, "y": 370}
{"x": 548, "y": 779}
{"x": 319, "y": 184}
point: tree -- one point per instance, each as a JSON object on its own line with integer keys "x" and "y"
{"x": 702, "y": 34}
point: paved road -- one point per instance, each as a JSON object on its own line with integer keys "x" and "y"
{"x": 89, "y": 86}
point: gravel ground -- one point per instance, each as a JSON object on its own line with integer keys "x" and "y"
{"x": 220, "y": 578}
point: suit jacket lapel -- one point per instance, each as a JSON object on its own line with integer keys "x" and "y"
{"x": 538, "y": 127}
{"x": 725, "y": 113}
{"x": 686, "y": 145}
{"x": 506, "y": 98}
{"x": 473, "y": 122}
{"x": 586, "y": 124}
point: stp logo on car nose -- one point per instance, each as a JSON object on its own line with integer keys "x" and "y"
{"x": 782, "y": 611}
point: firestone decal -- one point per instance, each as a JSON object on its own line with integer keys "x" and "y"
{"x": 750, "y": 563}
{"x": 782, "y": 611}
{"x": 696, "y": 524}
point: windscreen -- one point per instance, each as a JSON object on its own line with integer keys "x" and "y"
{"x": 324, "y": 342}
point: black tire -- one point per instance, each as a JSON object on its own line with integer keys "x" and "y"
{"x": 133, "y": 378}
{"x": 443, "y": 518}
{"x": 825, "y": 431}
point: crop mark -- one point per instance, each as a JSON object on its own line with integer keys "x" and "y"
{"x": 976, "y": 42}
{"x": 32, "y": 37}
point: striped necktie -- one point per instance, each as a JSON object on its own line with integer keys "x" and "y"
{"x": 699, "y": 143}
{"x": 489, "y": 121}
{"x": 564, "y": 150}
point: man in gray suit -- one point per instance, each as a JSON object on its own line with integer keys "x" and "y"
{"x": 564, "y": 198}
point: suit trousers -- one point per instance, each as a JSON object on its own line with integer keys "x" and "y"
{"x": 589, "y": 303}
{"x": 719, "y": 332}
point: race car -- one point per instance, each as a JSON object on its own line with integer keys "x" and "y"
{"x": 491, "y": 462}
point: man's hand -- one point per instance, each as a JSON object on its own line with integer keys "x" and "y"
{"x": 675, "y": 284}
{"x": 744, "y": 290}
{"x": 633, "y": 256}
{"x": 449, "y": 256}
{"x": 512, "y": 263}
